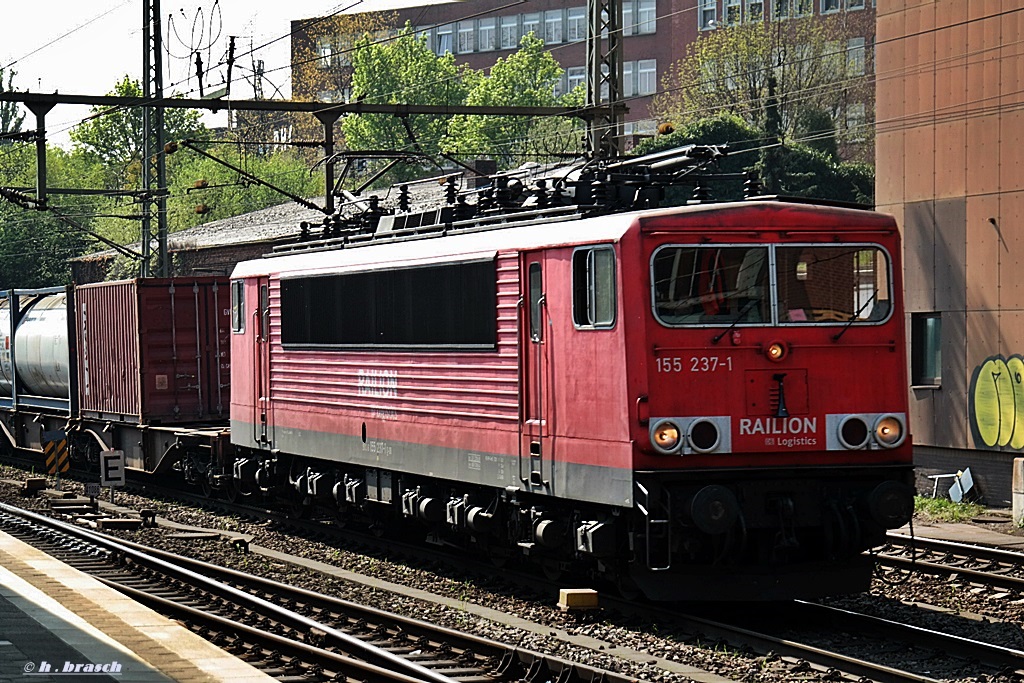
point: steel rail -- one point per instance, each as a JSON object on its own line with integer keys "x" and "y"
{"x": 371, "y": 652}
{"x": 957, "y": 646}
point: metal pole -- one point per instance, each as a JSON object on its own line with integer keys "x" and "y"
{"x": 328, "y": 118}
{"x": 154, "y": 167}
{"x": 40, "y": 109}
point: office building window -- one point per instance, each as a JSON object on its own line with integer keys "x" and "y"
{"x": 708, "y": 15}
{"x": 559, "y": 88}
{"x": 855, "y": 4}
{"x": 467, "y": 37}
{"x": 553, "y": 27}
{"x": 855, "y": 57}
{"x": 510, "y": 33}
{"x": 628, "y": 18}
{"x": 926, "y": 349}
{"x": 646, "y": 16}
{"x": 628, "y": 79}
{"x": 577, "y": 24}
{"x": 803, "y": 8}
{"x": 485, "y": 38}
{"x": 755, "y": 10}
{"x": 325, "y": 49}
{"x": 575, "y": 76}
{"x": 733, "y": 12}
{"x": 829, "y": 6}
{"x": 444, "y": 39}
{"x": 646, "y": 77}
{"x": 856, "y": 122}
{"x": 783, "y": 9}
{"x": 531, "y": 22}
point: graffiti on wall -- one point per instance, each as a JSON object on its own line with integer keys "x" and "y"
{"x": 996, "y": 403}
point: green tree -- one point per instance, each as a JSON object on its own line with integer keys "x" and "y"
{"x": 202, "y": 190}
{"x": 35, "y": 246}
{"x": 730, "y": 70}
{"x": 527, "y": 77}
{"x": 792, "y": 169}
{"x": 404, "y": 71}
{"x": 114, "y": 135}
{"x": 11, "y": 116}
{"x": 742, "y": 139}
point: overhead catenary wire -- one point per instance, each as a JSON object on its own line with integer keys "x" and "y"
{"x": 688, "y": 10}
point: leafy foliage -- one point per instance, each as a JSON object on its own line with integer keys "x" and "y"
{"x": 404, "y": 70}
{"x": 11, "y": 115}
{"x": 35, "y": 246}
{"x": 115, "y": 135}
{"x": 202, "y": 190}
{"x": 945, "y": 510}
{"x": 796, "y": 170}
{"x": 527, "y": 77}
{"x": 730, "y": 69}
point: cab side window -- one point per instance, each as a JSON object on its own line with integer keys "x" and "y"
{"x": 237, "y": 306}
{"x": 593, "y": 287}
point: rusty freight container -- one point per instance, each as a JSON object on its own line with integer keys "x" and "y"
{"x": 154, "y": 351}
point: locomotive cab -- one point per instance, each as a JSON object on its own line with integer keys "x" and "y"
{"x": 775, "y": 432}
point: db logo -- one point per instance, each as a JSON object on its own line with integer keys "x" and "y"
{"x": 997, "y": 402}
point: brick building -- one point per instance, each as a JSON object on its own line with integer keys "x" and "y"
{"x": 949, "y": 111}
{"x": 656, "y": 35}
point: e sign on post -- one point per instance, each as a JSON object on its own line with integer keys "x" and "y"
{"x": 112, "y": 468}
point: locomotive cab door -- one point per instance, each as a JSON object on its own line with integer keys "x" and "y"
{"x": 263, "y": 426}
{"x": 536, "y": 442}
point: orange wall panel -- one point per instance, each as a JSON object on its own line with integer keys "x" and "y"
{"x": 1011, "y": 152}
{"x": 950, "y": 75}
{"x": 1011, "y": 256}
{"x": 920, "y": 165}
{"x": 982, "y": 154}
{"x": 983, "y": 248}
{"x": 919, "y": 256}
{"x": 890, "y": 164}
{"x": 950, "y": 159}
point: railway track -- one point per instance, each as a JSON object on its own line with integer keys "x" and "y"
{"x": 878, "y": 649}
{"x": 290, "y": 633}
{"x": 793, "y": 650}
{"x": 981, "y": 565}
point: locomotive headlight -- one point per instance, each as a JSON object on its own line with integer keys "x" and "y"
{"x": 665, "y": 436}
{"x": 775, "y": 351}
{"x": 704, "y": 436}
{"x": 889, "y": 431}
{"x": 854, "y": 432}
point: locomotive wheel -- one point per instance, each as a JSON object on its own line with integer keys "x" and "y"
{"x": 552, "y": 572}
{"x": 628, "y": 589}
{"x": 341, "y": 516}
{"x": 234, "y": 492}
{"x": 297, "y": 507}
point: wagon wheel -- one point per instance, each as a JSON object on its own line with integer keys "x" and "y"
{"x": 204, "y": 486}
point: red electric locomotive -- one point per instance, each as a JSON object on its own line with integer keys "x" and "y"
{"x": 704, "y": 402}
